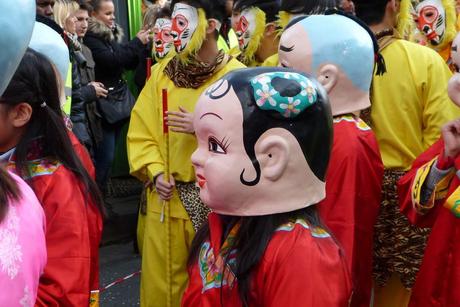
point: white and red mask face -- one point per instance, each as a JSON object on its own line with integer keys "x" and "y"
{"x": 184, "y": 24}
{"x": 245, "y": 28}
{"x": 453, "y": 88}
{"x": 430, "y": 17}
{"x": 162, "y": 37}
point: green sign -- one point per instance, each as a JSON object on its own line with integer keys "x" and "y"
{"x": 134, "y": 17}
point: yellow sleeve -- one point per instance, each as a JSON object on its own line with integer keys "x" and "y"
{"x": 145, "y": 133}
{"x": 222, "y": 44}
{"x": 439, "y": 192}
{"x": 233, "y": 39}
{"x": 271, "y": 61}
{"x": 438, "y": 108}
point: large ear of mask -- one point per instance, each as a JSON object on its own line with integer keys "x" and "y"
{"x": 330, "y": 39}
{"x": 188, "y": 30}
{"x": 273, "y": 101}
{"x": 453, "y": 88}
{"x": 435, "y": 21}
{"x": 46, "y": 41}
{"x": 16, "y": 23}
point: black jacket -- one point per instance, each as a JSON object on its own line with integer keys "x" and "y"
{"x": 110, "y": 55}
{"x": 82, "y": 94}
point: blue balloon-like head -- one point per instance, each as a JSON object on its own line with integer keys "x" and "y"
{"x": 338, "y": 51}
{"x": 16, "y": 24}
{"x": 334, "y": 39}
{"x": 49, "y": 43}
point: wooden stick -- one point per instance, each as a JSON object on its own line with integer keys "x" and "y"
{"x": 149, "y": 68}
{"x": 166, "y": 204}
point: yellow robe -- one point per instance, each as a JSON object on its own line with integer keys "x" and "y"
{"x": 410, "y": 102}
{"x": 409, "y": 106}
{"x": 146, "y": 155}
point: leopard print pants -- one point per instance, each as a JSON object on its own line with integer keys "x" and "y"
{"x": 398, "y": 246}
{"x": 189, "y": 195}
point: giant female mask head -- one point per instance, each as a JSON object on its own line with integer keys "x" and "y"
{"x": 264, "y": 138}
{"x": 14, "y": 38}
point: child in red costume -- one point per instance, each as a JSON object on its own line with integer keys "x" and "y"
{"x": 330, "y": 47}
{"x": 430, "y": 197}
{"x": 38, "y": 147}
{"x": 264, "y": 138}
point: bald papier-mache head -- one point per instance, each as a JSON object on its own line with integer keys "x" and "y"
{"x": 337, "y": 51}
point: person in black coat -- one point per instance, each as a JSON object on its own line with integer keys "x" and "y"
{"x": 112, "y": 58}
{"x": 84, "y": 115}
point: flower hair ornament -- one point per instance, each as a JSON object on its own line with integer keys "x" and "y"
{"x": 287, "y": 93}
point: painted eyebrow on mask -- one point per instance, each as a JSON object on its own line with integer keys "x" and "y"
{"x": 286, "y": 49}
{"x": 213, "y": 114}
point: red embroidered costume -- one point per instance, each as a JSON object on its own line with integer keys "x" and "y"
{"x": 440, "y": 270}
{"x": 73, "y": 230}
{"x": 293, "y": 248}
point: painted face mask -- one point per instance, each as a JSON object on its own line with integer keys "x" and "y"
{"x": 250, "y": 30}
{"x": 430, "y": 17}
{"x": 184, "y": 23}
{"x": 245, "y": 28}
{"x": 162, "y": 37}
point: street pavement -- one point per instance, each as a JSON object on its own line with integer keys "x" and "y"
{"x": 117, "y": 261}
{"x": 117, "y": 256}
